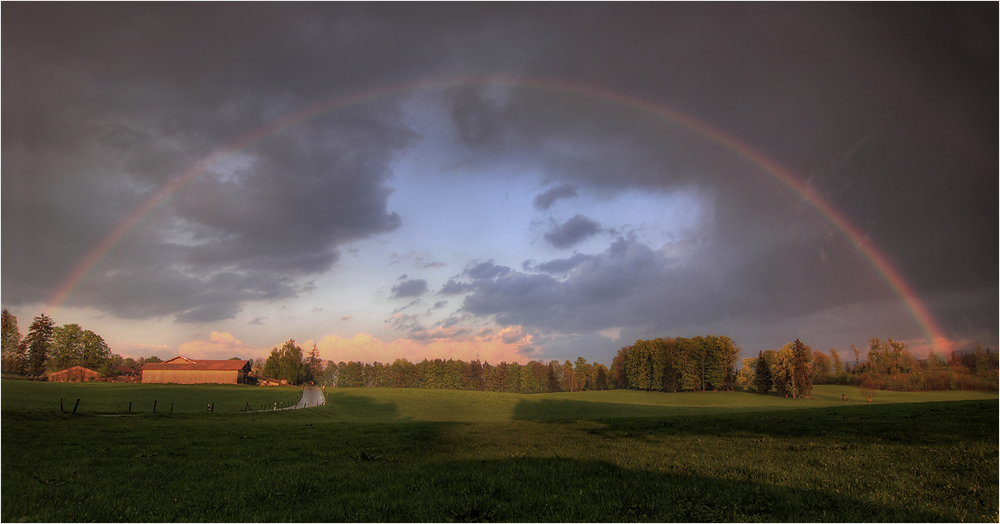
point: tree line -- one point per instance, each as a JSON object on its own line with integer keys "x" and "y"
{"x": 704, "y": 363}
{"x": 289, "y": 362}
{"x": 48, "y": 347}
{"x": 889, "y": 365}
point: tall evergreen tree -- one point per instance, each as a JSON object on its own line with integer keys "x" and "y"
{"x": 601, "y": 380}
{"x": 314, "y": 365}
{"x": 762, "y": 381}
{"x": 38, "y": 342}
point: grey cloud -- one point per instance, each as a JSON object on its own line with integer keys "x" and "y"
{"x": 476, "y": 117}
{"x": 409, "y": 288}
{"x": 419, "y": 260}
{"x": 103, "y": 104}
{"x": 632, "y": 285}
{"x": 112, "y": 130}
{"x": 451, "y": 287}
{"x": 431, "y": 335}
{"x": 406, "y": 322}
{"x": 571, "y": 232}
{"x": 551, "y": 195}
{"x": 562, "y": 265}
{"x": 485, "y": 270}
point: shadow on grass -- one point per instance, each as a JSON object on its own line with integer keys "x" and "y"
{"x": 306, "y": 466}
{"x": 555, "y": 490}
{"x": 359, "y": 408}
{"x": 905, "y": 423}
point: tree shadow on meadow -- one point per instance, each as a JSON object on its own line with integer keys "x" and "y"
{"x": 358, "y": 408}
{"x": 527, "y": 489}
{"x": 925, "y": 423}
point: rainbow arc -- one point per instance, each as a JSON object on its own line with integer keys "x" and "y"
{"x": 767, "y": 166}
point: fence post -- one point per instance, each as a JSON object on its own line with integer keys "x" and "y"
{"x": 76, "y": 406}
{"x": 130, "y": 406}
{"x": 154, "y": 406}
{"x": 61, "y": 408}
{"x": 171, "y": 407}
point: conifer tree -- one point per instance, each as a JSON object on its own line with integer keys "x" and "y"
{"x": 762, "y": 381}
{"x": 38, "y": 342}
{"x": 802, "y": 368}
{"x": 601, "y": 382}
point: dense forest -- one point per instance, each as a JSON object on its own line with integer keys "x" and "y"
{"x": 705, "y": 363}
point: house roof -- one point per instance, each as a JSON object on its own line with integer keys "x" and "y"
{"x": 71, "y": 369}
{"x": 189, "y": 364}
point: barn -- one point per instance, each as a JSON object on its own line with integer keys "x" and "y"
{"x": 183, "y": 370}
{"x": 73, "y": 374}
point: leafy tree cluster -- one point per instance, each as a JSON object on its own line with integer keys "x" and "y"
{"x": 533, "y": 377}
{"x": 288, "y": 362}
{"x": 677, "y": 364}
{"x": 890, "y": 365}
{"x": 789, "y": 371}
{"x": 48, "y": 348}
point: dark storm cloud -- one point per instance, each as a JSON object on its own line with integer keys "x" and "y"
{"x": 632, "y": 285}
{"x": 571, "y": 232}
{"x": 864, "y": 117}
{"x": 102, "y": 105}
{"x": 551, "y": 195}
{"x": 409, "y": 288}
{"x": 888, "y": 109}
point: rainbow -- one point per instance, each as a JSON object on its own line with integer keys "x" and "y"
{"x": 854, "y": 236}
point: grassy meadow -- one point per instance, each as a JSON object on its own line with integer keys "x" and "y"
{"x": 432, "y": 455}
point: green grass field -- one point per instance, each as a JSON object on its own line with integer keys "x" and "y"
{"x": 420, "y": 455}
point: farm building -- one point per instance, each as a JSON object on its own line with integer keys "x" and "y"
{"x": 73, "y": 374}
{"x": 183, "y": 370}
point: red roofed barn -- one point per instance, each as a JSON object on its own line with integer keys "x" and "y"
{"x": 183, "y": 370}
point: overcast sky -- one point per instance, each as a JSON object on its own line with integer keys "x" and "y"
{"x": 501, "y": 181}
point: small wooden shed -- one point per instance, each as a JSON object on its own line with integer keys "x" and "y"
{"x": 183, "y": 370}
{"x": 73, "y": 374}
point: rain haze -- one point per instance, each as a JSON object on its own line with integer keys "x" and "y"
{"x": 500, "y": 181}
